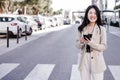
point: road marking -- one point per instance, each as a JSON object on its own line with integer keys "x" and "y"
{"x": 40, "y": 72}
{"x": 75, "y": 74}
{"x": 115, "y": 70}
{"x": 5, "y": 68}
{"x": 43, "y": 71}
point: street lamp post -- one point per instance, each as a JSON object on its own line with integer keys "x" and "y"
{"x": 101, "y": 5}
{"x": 115, "y": 11}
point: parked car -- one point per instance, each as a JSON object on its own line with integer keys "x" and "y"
{"x": 67, "y": 21}
{"x": 42, "y": 21}
{"x": 31, "y": 22}
{"x": 52, "y": 21}
{"x": 13, "y": 21}
{"x": 36, "y": 18}
{"x": 46, "y": 23}
{"x": 58, "y": 19}
{"x": 78, "y": 21}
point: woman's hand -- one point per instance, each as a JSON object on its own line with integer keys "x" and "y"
{"x": 84, "y": 41}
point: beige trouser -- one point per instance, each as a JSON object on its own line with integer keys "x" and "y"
{"x": 86, "y": 73}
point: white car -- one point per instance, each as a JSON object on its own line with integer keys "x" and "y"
{"x": 46, "y": 23}
{"x": 52, "y": 21}
{"x": 13, "y": 21}
{"x": 30, "y": 21}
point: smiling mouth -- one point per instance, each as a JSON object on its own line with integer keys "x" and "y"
{"x": 92, "y": 18}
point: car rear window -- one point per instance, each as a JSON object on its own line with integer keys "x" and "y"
{"x": 6, "y": 19}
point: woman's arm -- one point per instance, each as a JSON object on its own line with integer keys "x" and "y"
{"x": 103, "y": 42}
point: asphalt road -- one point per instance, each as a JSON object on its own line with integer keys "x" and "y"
{"x": 57, "y": 48}
{"x": 112, "y": 55}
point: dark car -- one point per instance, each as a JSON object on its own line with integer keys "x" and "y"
{"x": 67, "y": 21}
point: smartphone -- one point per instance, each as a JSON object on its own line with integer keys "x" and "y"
{"x": 86, "y": 37}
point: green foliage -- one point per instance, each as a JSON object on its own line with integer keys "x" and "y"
{"x": 31, "y": 2}
{"x": 2, "y": 0}
{"x": 58, "y": 12}
{"x": 2, "y": 6}
{"x": 41, "y": 6}
{"x": 37, "y": 6}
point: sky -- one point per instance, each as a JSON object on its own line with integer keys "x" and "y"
{"x": 111, "y": 4}
{"x": 76, "y": 4}
{"x": 70, "y": 4}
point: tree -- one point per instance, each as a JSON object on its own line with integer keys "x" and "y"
{"x": 5, "y": 6}
{"x": 29, "y": 3}
{"x": 27, "y": 6}
{"x": 2, "y": 5}
{"x": 58, "y": 12}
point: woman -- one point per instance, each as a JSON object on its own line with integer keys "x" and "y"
{"x": 92, "y": 42}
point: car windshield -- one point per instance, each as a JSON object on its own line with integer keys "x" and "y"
{"x": 6, "y": 19}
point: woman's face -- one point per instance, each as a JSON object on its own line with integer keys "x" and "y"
{"x": 92, "y": 17}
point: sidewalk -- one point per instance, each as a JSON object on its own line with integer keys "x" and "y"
{"x": 13, "y": 41}
{"x": 113, "y": 30}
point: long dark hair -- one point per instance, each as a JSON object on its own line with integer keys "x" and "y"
{"x": 86, "y": 20}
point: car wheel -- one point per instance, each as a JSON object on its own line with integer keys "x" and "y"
{"x": 20, "y": 33}
{"x": 29, "y": 32}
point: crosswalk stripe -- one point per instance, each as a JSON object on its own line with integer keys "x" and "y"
{"x": 75, "y": 74}
{"x": 40, "y": 72}
{"x": 43, "y": 71}
{"x": 5, "y": 68}
{"x": 115, "y": 70}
